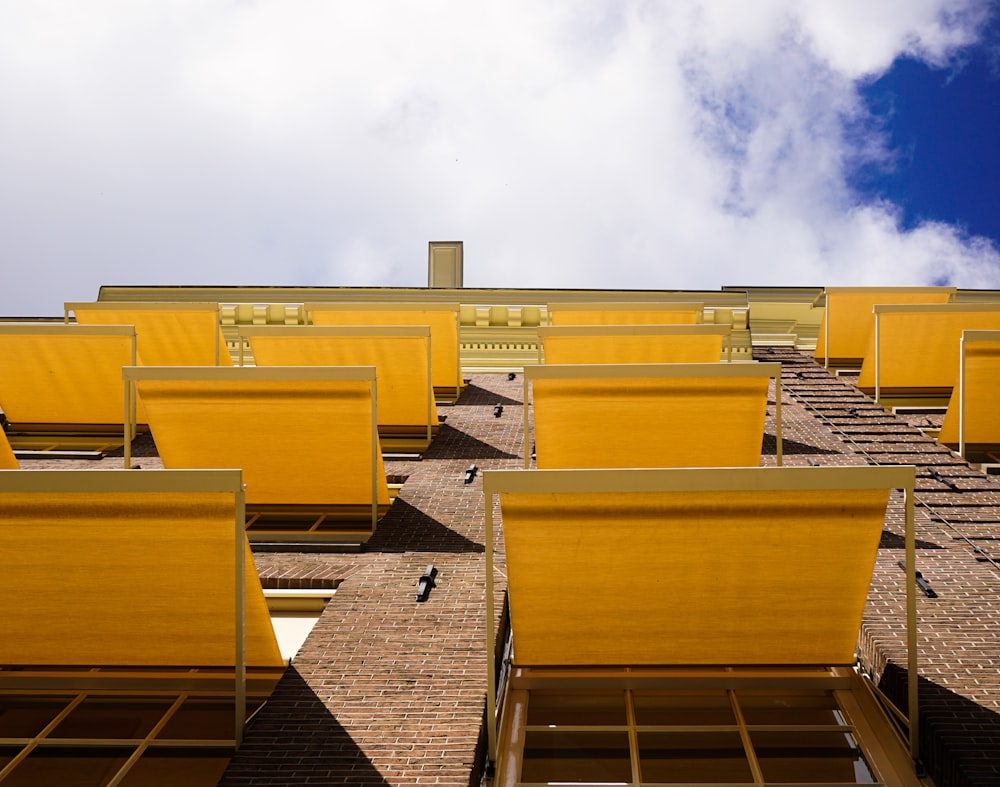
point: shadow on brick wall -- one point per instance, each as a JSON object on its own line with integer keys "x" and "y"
{"x": 769, "y": 447}
{"x": 959, "y": 739}
{"x": 450, "y": 443}
{"x": 892, "y": 540}
{"x": 142, "y": 446}
{"x": 408, "y": 529}
{"x": 474, "y": 395}
{"x": 296, "y": 740}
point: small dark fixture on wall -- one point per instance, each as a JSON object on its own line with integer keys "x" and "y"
{"x": 922, "y": 583}
{"x": 426, "y": 582}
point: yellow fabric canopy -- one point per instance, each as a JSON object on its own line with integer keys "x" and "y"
{"x": 299, "y": 440}
{"x": 848, "y": 322}
{"x": 632, "y": 344}
{"x": 979, "y": 397}
{"x": 659, "y": 422}
{"x": 919, "y": 345}
{"x": 689, "y": 577}
{"x": 7, "y": 459}
{"x": 442, "y": 319}
{"x": 56, "y": 374}
{"x": 130, "y": 578}
{"x": 625, "y": 314}
{"x": 168, "y": 334}
{"x": 401, "y": 361}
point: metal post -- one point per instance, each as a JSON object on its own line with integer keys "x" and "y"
{"x": 877, "y": 369}
{"x": 240, "y": 667}
{"x": 911, "y": 623}
{"x": 961, "y": 396}
{"x": 777, "y": 416}
{"x": 525, "y": 448}
{"x": 826, "y": 333}
{"x": 375, "y": 451}
{"x": 127, "y": 424}
{"x": 491, "y": 676}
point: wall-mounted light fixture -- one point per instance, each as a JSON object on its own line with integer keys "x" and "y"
{"x": 426, "y": 582}
{"x": 922, "y": 583}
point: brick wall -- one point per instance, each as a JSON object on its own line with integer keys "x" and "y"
{"x": 386, "y": 691}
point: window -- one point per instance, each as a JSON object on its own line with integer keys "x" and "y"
{"x": 815, "y": 727}
{"x": 107, "y": 736}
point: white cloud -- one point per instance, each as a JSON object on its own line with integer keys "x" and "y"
{"x": 297, "y": 142}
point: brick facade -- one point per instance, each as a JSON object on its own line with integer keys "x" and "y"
{"x": 388, "y": 691}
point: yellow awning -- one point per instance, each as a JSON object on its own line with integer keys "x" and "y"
{"x": 7, "y": 459}
{"x": 400, "y": 354}
{"x": 168, "y": 334}
{"x": 623, "y": 313}
{"x": 975, "y": 402}
{"x": 918, "y": 345}
{"x": 848, "y": 322}
{"x": 55, "y": 374}
{"x": 723, "y": 574}
{"x": 649, "y": 415}
{"x": 442, "y": 319}
{"x": 127, "y": 568}
{"x": 633, "y": 343}
{"x": 303, "y": 435}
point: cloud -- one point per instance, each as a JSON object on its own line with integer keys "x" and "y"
{"x": 592, "y": 144}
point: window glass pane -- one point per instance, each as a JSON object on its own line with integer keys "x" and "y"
{"x": 106, "y": 717}
{"x": 8, "y": 753}
{"x": 25, "y": 717}
{"x": 201, "y": 719}
{"x": 693, "y": 757}
{"x": 683, "y": 708}
{"x": 576, "y": 757}
{"x": 68, "y": 767}
{"x": 594, "y": 708}
{"x": 810, "y": 756}
{"x": 790, "y": 707}
{"x": 163, "y": 768}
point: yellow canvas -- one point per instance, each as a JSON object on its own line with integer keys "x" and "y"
{"x": 978, "y": 399}
{"x": 301, "y": 440}
{"x": 918, "y": 346}
{"x": 848, "y": 322}
{"x": 689, "y": 578}
{"x": 7, "y": 459}
{"x": 685, "y": 421}
{"x": 442, "y": 319}
{"x": 625, "y": 313}
{"x": 54, "y": 375}
{"x": 168, "y": 334}
{"x": 633, "y": 344}
{"x": 145, "y": 578}
{"x": 401, "y": 357}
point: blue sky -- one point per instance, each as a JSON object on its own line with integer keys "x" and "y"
{"x": 593, "y": 143}
{"x": 943, "y": 126}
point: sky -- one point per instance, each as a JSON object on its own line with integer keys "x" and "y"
{"x": 688, "y": 144}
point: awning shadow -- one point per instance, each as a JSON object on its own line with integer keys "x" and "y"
{"x": 959, "y": 739}
{"x": 474, "y": 395}
{"x": 408, "y": 529}
{"x": 892, "y": 540}
{"x": 450, "y": 443}
{"x": 769, "y": 447}
{"x": 296, "y": 740}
